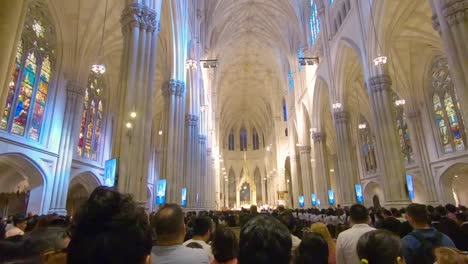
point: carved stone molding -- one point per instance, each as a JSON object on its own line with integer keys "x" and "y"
{"x": 455, "y": 11}
{"x": 380, "y": 83}
{"x": 305, "y": 149}
{"x": 191, "y": 120}
{"x": 436, "y": 23}
{"x": 319, "y": 136}
{"x": 173, "y": 87}
{"x": 341, "y": 116}
{"x": 202, "y": 139}
{"x": 292, "y": 158}
{"x": 180, "y": 89}
{"x": 74, "y": 88}
{"x": 138, "y": 15}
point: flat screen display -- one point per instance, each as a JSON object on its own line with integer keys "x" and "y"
{"x": 318, "y": 202}
{"x": 358, "y": 189}
{"x": 110, "y": 173}
{"x": 161, "y": 192}
{"x": 331, "y": 197}
{"x": 410, "y": 186}
{"x": 184, "y": 197}
{"x": 314, "y": 199}
{"x": 301, "y": 201}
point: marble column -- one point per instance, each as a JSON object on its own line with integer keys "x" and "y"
{"x": 450, "y": 19}
{"x": 322, "y": 171}
{"x": 191, "y": 174}
{"x": 296, "y": 190}
{"x": 307, "y": 174}
{"x": 130, "y": 144}
{"x": 418, "y": 141}
{"x": 12, "y": 15}
{"x": 347, "y": 175}
{"x": 172, "y": 168}
{"x": 203, "y": 181}
{"x": 391, "y": 164}
{"x": 68, "y": 139}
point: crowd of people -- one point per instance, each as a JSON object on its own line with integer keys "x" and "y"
{"x": 112, "y": 228}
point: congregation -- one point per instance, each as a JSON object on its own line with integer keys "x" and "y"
{"x": 112, "y": 228}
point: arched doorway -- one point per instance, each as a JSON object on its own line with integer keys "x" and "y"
{"x": 81, "y": 186}
{"x": 22, "y": 185}
{"x": 454, "y": 183}
{"x": 370, "y": 190}
{"x": 245, "y": 194}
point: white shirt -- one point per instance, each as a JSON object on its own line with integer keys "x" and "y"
{"x": 13, "y": 231}
{"x": 295, "y": 243}
{"x": 346, "y": 244}
{"x": 206, "y": 247}
{"x": 178, "y": 254}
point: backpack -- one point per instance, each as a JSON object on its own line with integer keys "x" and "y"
{"x": 425, "y": 252}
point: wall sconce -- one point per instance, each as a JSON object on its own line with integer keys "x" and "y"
{"x": 337, "y": 106}
{"x": 362, "y": 126}
{"x": 400, "y": 102}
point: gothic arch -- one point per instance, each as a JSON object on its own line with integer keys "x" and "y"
{"x": 79, "y": 189}
{"x": 453, "y": 182}
{"x": 371, "y": 189}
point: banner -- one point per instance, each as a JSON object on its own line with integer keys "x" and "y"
{"x": 161, "y": 192}
{"x": 301, "y": 201}
{"x": 314, "y": 199}
{"x": 358, "y": 189}
{"x": 110, "y": 173}
{"x": 331, "y": 197}
{"x": 184, "y": 197}
{"x": 409, "y": 186}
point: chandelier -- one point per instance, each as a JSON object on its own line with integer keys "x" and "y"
{"x": 380, "y": 60}
{"x": 98, "y": 68}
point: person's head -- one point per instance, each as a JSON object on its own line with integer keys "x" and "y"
{"x": 322, "y": 229}
{"x": 313, "y": 249}
{"x": 263, "y": 239}
{"x": 168, "y": 224}
{"x": 379, "y": 247}
{"x": 358, "y": 214}
{"x": 446, "y": 255}
{"x": 395, "y": 212}
{"x": 441, "y": 211}
{"x": 280, "y": 208}
{"x": 110, "y": 228}
{"x": 253, "y": 209}
{"x": 417, "y": 215}
{"x": 386, "y": 213}
{"x": 202, "y": 227}
{"x": 20, "y": 222}
{"x": 461, "y": 218}
{"x": 225, "y": 245}
{"x": 194, "y": 245}
{"x": 451, "y": 208}
{"x": 289, "y": 221}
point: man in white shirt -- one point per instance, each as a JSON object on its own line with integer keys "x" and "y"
{"x": 347, "y": 241}
{"x": 18, "y": 227}
{"x": 169, "y": 226}
{"x": 202, "y": 230}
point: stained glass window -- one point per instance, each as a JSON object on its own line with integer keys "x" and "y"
{"x": 28, "y": 88}
{"x": 255, "y": 140}
{"x": 290, "y": 80}
{"x": 231, "y": 140}
{"x": 446, "y": 109}
{"x": 314, "y": 21}
{"x": 243, "y": 139}
{"x": 285, "y": 111}
{"x": 402, "y": 130}
{"x": 367, "y": 145}
{"x": 91, "y": 120}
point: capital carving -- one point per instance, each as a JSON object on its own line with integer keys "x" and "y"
{"x": 173, "y": 87}
{"x": 304, "y": 149}
{"x": 191, "y": 120}
{"x": 74, "y": 88}
{"x": 455, "y": 11}
{"x": 380, "y": 83}
{"x": 138, "y": 16}
{"x": 292, "y": 158}
{"x": 436, "y": 23}
{"x": 202, "y": 139}
{"x": 341, "y": 116}
{"x": 319, "y": 136}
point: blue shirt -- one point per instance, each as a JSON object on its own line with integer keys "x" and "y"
{"x": 178, "y": 254}
{"x": 411, "y": 244}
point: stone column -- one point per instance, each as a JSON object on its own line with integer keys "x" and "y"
{"x": 203, "y": 181}
{"x": 12, "y": 15}
{"x": 191, "y": 174}
{"x": 137, "y": 69}
{"x": 70, "y": 130}
{"x": 450, "y": 19}
{"x": 322, "y": 172}
{"x": 347, "y": 175}
{"x": 307, "y": 174}
{"x": 391, "y": 164}
{"x": 296, "y": 190}
{"x": 417, "y": 139}
{"x": 172, "y": 168}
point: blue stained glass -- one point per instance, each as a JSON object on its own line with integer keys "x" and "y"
{"x": 291, "y": 80}
{"x": 314, "y": 21}
{"x": 285, "y": 111}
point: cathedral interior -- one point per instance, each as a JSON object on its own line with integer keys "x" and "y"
{"x": 216, "y": 104}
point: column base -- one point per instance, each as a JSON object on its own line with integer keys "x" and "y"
{"x": 59, "y": 211}
{"x": 396, "y": 204}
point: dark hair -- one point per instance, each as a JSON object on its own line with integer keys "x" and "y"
{"x": 313, "y": 249}
{"x": 379, "y": 246}
{"x": 288, "y": 220}
{"x": 110, "y": 228}
{"x": 168, "y": 222}
{"x": 358, "y": 213}
{"x": 395, "y": 212}
{"x": 194, "y": 245}
{"x": 18, "y": 219}
{"x": 202, "y": 225}
{"x": 451, "y": 208}
{"x": 263, "y": 239}
{"x": 440, "y": 210}
{"x": 418, "y": 213}
{"x": 225, "y": 245}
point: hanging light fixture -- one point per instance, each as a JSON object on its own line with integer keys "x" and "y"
{"x": 400, "y": 102}
{"x": 337, "y": 106}
{"x": 101, "y": 68}
{"x": 362, "y": 126}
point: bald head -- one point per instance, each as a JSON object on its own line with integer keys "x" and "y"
{"x": 168, "y": 223}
